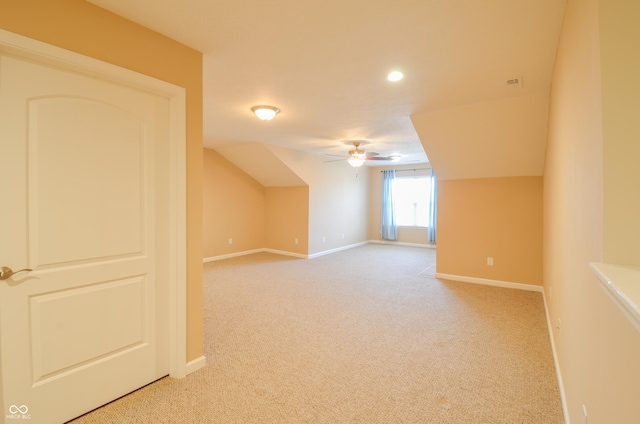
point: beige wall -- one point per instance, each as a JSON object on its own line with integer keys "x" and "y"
{"x": 338, "y": 203}
{"x": 491, "y": 217}
{"x": 619, "y": 37}
{"x": 598, "y": 349}
{"x": 234, "y": 208}
{"x": 83, "y": 28}
{"x": 255, "y": 217}
{"x": 287, "y": 219}
{"x": 333, "y": 204}
{"x": 405, "y": 234}
{"x": 337, "y": 208}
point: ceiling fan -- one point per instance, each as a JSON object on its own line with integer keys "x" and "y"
{"x": 357, "y": 156}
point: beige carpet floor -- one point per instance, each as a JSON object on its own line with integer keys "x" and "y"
{"x": 366, "y": 335}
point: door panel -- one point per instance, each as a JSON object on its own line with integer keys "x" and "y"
{"x": 59, "y": 319}
{"x": 75, "y": 195}
{"x": 88, "y": 324}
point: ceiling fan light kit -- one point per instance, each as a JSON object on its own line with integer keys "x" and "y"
{"x": 264, "y": 112}
{"x": 356, "y": 161}
{"x": 358, "y": 157}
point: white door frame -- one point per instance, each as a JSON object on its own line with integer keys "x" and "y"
{"x": 21, "y": 46}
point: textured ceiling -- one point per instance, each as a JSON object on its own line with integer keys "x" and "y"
{"x": 324, "y": 64}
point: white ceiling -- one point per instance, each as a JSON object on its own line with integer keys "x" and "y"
{"x": 324, "y": 64}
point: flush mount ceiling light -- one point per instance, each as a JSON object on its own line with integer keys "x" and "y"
{"x": 395, "y": 76}
{"x": 266, "y": 113}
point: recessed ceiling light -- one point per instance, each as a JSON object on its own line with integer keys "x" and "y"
{"x": 395, "y": 76}
{"x": 266, "y": 113}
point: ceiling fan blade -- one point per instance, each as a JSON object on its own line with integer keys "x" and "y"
{"x": 378, "y": 158}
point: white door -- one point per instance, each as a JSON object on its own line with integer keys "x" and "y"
{"x": 82, "y": 195}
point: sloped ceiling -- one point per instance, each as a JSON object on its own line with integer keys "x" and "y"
{"x": 262, "y": 164}
{"x": 500, "y": 138}
{"x": 324, "y": 63}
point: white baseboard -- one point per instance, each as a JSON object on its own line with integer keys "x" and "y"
{"x": 313, "y": 255}
{"x": 563, "y": 399}
{"x": 286, "y": 253}
{"x": 232, "y": 255}
{"x": 337, "y": 249}
{"x": 488, "y": 282}
{"x": 196, "y": 364}
{"x": 401, "y": 243}
{"x": 251, "y": 252}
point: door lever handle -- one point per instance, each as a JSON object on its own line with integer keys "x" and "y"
{"x": 6, "y": 272}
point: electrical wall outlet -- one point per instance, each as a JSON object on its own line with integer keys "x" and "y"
{"x": 295, "y": 240}
{"x": 324, "y": 239}
{"x": 490, "y": 261}
{"x": 230, "y": 241}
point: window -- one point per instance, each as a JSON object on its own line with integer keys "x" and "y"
{"x": 411, "y": 197}
{"x": 408, "y": 202}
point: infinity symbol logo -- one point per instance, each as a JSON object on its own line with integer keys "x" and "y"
{"x": 13, "y": 409}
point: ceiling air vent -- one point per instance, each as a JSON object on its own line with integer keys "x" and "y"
{"x": 513, "y": 83}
